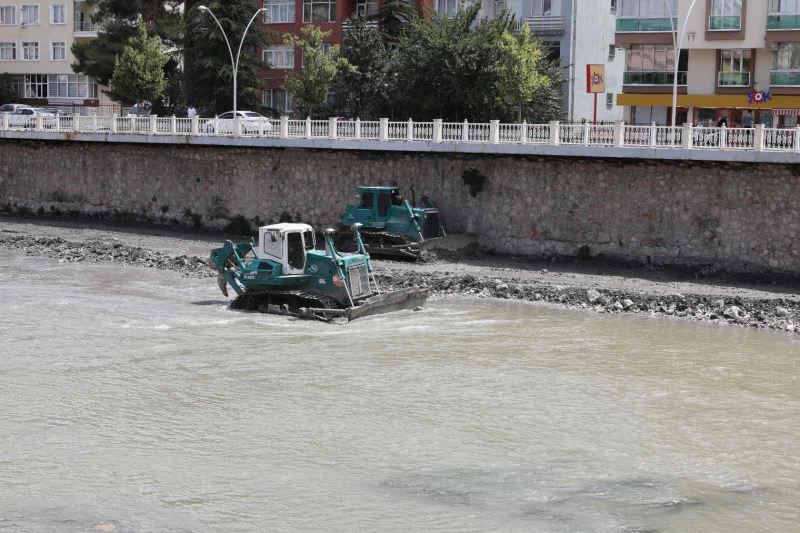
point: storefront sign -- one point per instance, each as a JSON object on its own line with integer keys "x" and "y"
{"x": 595, "y": 79}
{"x": 758, "y": 97}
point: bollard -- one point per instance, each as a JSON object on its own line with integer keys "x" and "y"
{"x": 284, "y": 127}
{"x": 555, "y": 133}
{"x": 437, "y": 130}
{"x": 333, "y": 127}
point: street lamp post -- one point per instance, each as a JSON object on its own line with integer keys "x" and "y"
{"x": 676, "y": 41}
{"x": 234, "y": 62}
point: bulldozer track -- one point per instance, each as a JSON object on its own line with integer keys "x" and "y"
{"x": 258, "y": 299}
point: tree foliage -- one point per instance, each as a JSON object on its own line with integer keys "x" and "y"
{"x": 119, "y": 20}
{"x": 365, "y": 88}
{"x": 7, "y": 92}
{"x": 208, "y": 66}
{"x": 139, "y": 69}
{"x": 321, "y": 69}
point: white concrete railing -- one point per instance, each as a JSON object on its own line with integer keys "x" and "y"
{"x": 617, "y": 135}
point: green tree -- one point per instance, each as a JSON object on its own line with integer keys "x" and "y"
{"x": 119, "y": 21}
{"x": 518, "y": 72}
{"x": 320, "y": 71}
{"x": 139, "y": 69}
{"x": 458, "y": 67}
{"x": 7, "y": 92}
{"x": 365, "y": 88}
{"x": 209, "y": 74}
{"x": 395, "y": 17}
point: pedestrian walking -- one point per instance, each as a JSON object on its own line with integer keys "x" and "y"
{"x": 191, "y": 112}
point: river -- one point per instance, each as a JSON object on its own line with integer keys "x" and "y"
{"x": 134, "y": 400}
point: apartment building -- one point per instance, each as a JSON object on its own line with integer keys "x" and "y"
{"x": 739, "y": 61}
{"x": 289, "y": 16}
{"x": 579, "y": 32}
{"x": 36, "y": 38}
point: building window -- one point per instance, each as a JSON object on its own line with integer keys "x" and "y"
{"x": 612, "y": 52}
{"x": 59, "y": 51}
{"x": 35, "y": 86}
{"x": 545, "y": 8}
{"x": 367, "y": 8}
{"x": 726, "y": 15}
{"x": 30, "y": 14}
{"x": 784, "y": 6}
{"x": 734, "y": 68}
{"x": 8, "y": 15}
{"x": 278, "y": 99}
{"x": 279, "y": 57}
{"x": 30, "y": 51}
{"x": 499, "y": 7}
{"x": 613, "y": 6}
{"x": 319, "y": 11}
{"x": 653, "y": 64}
{"x": 8, "y": 51}
{"x": 71, "y": 86}
{"x": 58, "y": 14}
{"x": 647, "y": 9}
{"x": 279, "y": 11}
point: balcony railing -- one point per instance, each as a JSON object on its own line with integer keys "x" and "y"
{"x": 783, "y": 21}
{"x": 733, "y": 79}
{"x": 546, "y": 25}
{"x": 84, "y": 26}
{"x": 725, "y": 23}
{"x": 653, "y": 78}
{"x": 784, "y": 78}
{"x": 645, "y": 24}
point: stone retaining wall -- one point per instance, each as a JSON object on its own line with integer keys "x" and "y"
{"x": 742, "y": 217}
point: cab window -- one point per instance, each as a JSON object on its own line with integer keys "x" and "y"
{"x": 272, "y": 244}
{"x": 308, "y": 238}
{"x": 384, "y": 202}
{"x": 297, "y": 256}
{"x": 366, "y": 200}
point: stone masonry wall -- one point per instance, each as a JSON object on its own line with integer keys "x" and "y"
{"x": 737, "y": 216}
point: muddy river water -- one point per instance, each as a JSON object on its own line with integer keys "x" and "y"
{"x": 133, "y": 400}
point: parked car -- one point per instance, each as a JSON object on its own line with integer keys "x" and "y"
{"x": 139, "y": 110}
{"x": 252, "y": 123}
{"x": 12, "y": 108}
{"x": 25, "y": 117}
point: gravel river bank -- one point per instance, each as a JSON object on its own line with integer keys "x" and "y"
{"x": 595, "y": 287}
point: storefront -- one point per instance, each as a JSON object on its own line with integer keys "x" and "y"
{"x": 779, "y": 111}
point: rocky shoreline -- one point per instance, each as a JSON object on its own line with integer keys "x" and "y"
{"x": 769, "y": 313}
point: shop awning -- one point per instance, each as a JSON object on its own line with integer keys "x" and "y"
{"x": 782, "y": 102}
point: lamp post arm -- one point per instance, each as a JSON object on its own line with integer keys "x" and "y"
{"x": 244, "y": 35}
{"x": 224, "y": 35}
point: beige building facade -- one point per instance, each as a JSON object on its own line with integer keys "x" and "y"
{"x": 36, "y": 38}
{"x": 739, "y": 62}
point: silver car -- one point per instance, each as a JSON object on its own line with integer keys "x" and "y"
{"x": 252, "y": 123}
{"x": 26, "y": 117}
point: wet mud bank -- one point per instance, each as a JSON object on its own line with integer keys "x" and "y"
{"x": 720, "y": 304}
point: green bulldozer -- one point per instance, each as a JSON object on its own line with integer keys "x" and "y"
{"x": 284, "y": 273}
{"x": 394, "y": 226}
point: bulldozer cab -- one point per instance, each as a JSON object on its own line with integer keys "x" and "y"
{"x": 378, "y": 200}
{"x": 286, "y": 244}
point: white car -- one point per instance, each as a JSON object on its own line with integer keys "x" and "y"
{"x": 12, "y": 108}
{"x": 25, "y": 117}
{"x": 252, "y": 123}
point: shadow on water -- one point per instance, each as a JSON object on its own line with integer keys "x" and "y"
{"x": 547, "y": 499}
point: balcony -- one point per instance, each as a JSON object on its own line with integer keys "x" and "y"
{"x": 733, "y": 79}
{"x": 646, "y": 24}
{"x": 783, "y": 21}
{"x": 546, "y": 25}
{"x": 653, "y": 78}
{"x": 726, "y": 23}
{"x": 784, "y": 78}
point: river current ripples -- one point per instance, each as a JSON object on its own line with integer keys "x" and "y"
{"x": 134, "y": 400}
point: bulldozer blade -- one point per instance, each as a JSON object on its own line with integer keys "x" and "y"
{"x": 456, "y": 243}
{"x": 388, "y": 302}
{"x": 223, "y": 286}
